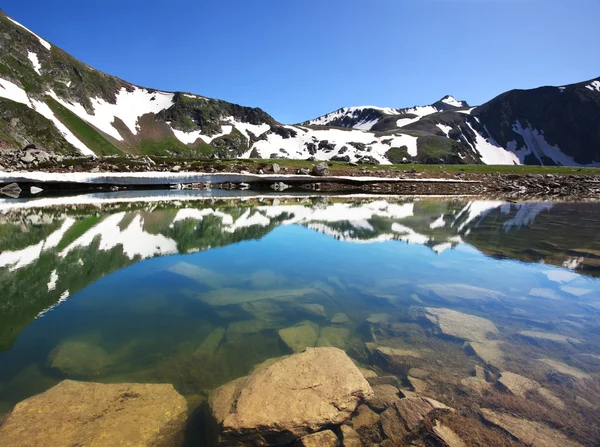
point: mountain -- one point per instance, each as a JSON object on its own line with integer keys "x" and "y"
{"x": 58, "y": 103}
{"x": 381, "y": 119}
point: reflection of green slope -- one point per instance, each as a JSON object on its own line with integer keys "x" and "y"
{"x": 25, "y": 291}
{"x": 565, "y": 232}
{"x": 16, "y": 237}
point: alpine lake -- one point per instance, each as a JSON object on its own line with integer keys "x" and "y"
{"x": 197, "y": 291}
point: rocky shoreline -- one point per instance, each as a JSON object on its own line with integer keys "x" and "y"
{"x": 317, "y": 397}
{"x": 318, "y": 176}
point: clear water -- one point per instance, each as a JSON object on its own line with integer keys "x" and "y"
{"x": 197, "y": 293}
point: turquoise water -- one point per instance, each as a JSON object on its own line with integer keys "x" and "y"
{"x": 197, "y": 293}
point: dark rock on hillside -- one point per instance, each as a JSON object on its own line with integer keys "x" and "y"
{"x": 320, "y": 169}
{"x": 568, "y": 117}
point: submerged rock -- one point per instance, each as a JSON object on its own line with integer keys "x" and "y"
{"x": 340, "y": 318}
{"x": 406, "y": 416}
{"x": 229, "y": 296}
{"x": 446, "y": 434}
{"x": 488, "y": 351}
{"x": 457, "y": 324}
{"x": 333, "y": 336}
{"x": 292, "y": 398}
{"x": 549, "y": 336}
{"x": 349, "y": 437}
{"x": 529, "y": 432}
{"x": 84, "y": 414}
{"x": 516, "y": 384}
{"x": 80, "y": 359}
{"x": 460, "y": 292}
{"x": 325, "y": 438}
{"x": 210, "y": 344}
{"x": 563, "y": 368}
{"x": 300, "y": 336}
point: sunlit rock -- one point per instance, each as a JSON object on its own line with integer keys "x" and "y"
{"x": 298, "y": 395}
{"x": 84, "y": 414}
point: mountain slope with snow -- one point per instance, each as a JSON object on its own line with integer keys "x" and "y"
{"x": 58, "y": 103}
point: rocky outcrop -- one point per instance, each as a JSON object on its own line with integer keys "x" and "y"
{"x": 85, "y": 414}
{"x": 294, "y": 397}
{"x": 458, "y": 325}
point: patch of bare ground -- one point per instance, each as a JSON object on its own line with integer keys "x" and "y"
{"x": 473, "y": 432}
{"x": 3, "y": 418}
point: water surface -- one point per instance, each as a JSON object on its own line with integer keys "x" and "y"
{"x": 197, "y": 293}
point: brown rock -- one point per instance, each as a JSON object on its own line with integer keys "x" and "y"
{"x": 393, "y": 427}
{"x": 413, "y": 410}
{"x": 518, "y": 385}
{"x": 418, "y": 373}
{"x": 450, "y": 438}
{"x": 459, "y": 325}
{"x": 529, "y": 432}
{"x": 364, "y": 417}
{"x": 383, "y": 397}
{"x": 349, "y": 437}
{"x": 294, "y": 397}
{"x": 325, "y": 438}
{"x": 406, "y": 416}
{"x": 85, "y": 414}
{"x": 384, "y": 380}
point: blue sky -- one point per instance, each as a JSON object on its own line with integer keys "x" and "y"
{"x": 301, "y": 59}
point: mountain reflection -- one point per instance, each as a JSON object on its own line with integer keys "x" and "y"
{"x": 47, "y": 254}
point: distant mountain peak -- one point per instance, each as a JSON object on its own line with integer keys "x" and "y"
{"x": 453, "y": 102}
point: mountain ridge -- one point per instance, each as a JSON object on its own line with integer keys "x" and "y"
{"x": 58, "y": 103}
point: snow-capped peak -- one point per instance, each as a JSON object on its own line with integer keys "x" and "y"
{"x": 451, "y": 101}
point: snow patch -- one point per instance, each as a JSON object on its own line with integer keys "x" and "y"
{"x": 53, "y": 280}
{"x": 296, "y": 147}
{"x": 594, "y": 86}
{"x": 409, "y": 235}
{"x": 33, "y": 57}
{"x": 450, "y": 100}
{"x": 445, "y": 129}
{"x": 406, "y": 121}
{"x": 467, "y": 112}
{"x": 129, "y": 107}
{"x": 491, "y": 152}
{"x": 44, "y": 43}
{"x": 134, "y": 240}
{"x": 536, "y": 143}
{"x": 195, "y": 135}
{"x": 13, "y": 92}
{"x": 43, "y": 109}
{"x": 439, "y": 223}
{"x": 440, "y": 248}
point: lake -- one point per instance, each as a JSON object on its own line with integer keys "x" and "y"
{"x": 196, "y": 291}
